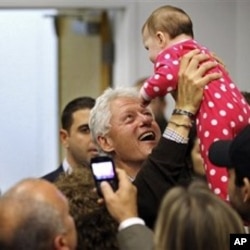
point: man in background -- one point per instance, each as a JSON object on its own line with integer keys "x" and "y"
{"x": 235, "y": 156}
{"x": 34, "y": 215}
{"x": 75, "y": 137}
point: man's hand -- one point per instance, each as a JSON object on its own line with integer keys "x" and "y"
{"x": 121, "y": 204}
{"x": 192, "y": 80}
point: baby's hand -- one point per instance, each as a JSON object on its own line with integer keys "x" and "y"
{"x": 144, "y": 103}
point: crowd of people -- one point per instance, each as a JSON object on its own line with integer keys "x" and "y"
{"x": 165, "y": 198}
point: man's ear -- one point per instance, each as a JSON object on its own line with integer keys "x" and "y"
{"x": 64, "y": 137}
{"x": 105, "y": 143}
{"x": 162, "y": 38}
{"x": 246, "y": 189}
{"x": 60, "y": 243}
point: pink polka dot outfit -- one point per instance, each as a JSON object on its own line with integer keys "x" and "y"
{"x": 222, "y": 114}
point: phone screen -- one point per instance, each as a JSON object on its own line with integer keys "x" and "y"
{"x": 103, "y": 170}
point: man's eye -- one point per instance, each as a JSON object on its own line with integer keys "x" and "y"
{"x": 85, "y": 130}
{"x": 129, "y": 118}
{"x": 148, "y": 114}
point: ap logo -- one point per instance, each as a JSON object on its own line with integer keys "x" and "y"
{"x": 239, "y": 241}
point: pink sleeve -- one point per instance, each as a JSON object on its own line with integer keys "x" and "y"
{"x": 163, "y": 81}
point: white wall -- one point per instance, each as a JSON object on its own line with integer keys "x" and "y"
{"x": 28, "y": 101}
{"x": 242, "y": 42}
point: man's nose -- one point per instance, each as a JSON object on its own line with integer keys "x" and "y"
{"x": 146, "y": 119}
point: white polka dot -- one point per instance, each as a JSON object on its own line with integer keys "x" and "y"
{"x": 206, "y": 134}
{"x": 202, "y": 147}
{"x": 169, "y": 76}
{"x": 212, "y": 172}
{"x": 157, "y": 64}
{"x": 224, "y": 178}
{"x": 216, "y": 139}
{"x": 204, "y": 115}
{"x": 156, "y": 89}
{"x": 165, "y": 67}
{"x": 243, "y": 101}
{"x": 234, "y": 94}
{"x": 200, "y": 128}
{"x": 214, "y": 122}
{"x": 145, "y": 84}
{"x": 227, "y": 198}
{"x": 210, "y": 104}
{"x": 222, "y": 113}
{"x": 222, "y": 79}
{"x": 169, "y": 89}
{"x": 240, "y": 117}
{"x": 217, "y": 191}
{"x": 167, "y": 56}
{"x": 223, "y": 87}
{"x": 232, "y": 124}
{"x": 197, "y": 122}
{"x": 175, "y": 62}
{"x": 217, "y": 95}
{"x": 235, "y": 100}
{"x": 157, "y": 76}
{"x": 230, "y": 105}
{"x": 232, "y": 86}
{"x": 225, "y": 131}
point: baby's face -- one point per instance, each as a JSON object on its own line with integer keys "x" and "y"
{"x": 151, "y": 44}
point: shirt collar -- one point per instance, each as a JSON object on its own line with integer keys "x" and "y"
{"x": 66, "y": 167}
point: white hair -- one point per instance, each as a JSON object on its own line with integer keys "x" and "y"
{"x": 100, "y": 115}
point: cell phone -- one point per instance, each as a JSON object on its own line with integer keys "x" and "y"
{"x": 103, "y": 169}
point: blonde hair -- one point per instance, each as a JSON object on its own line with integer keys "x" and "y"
{"x": 195, "y": 219}
{"x": 171, "y": 20}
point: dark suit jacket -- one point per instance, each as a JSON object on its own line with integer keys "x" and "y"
{"x": 164, "y": 168}
{"x": 52, "y": 176}
{"x": 136, "y": 237}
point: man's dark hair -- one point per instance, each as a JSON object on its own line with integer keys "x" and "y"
{"x": 79, "y": 103}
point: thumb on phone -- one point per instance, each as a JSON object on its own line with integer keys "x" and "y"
{"x": 106, "y": 189}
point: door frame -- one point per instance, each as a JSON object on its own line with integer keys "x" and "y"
{"x": 125, "y": 66}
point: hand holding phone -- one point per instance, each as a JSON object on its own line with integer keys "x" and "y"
{"x": 103, "y": 169}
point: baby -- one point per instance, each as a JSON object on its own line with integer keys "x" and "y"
{"x": 168, "y": 35}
